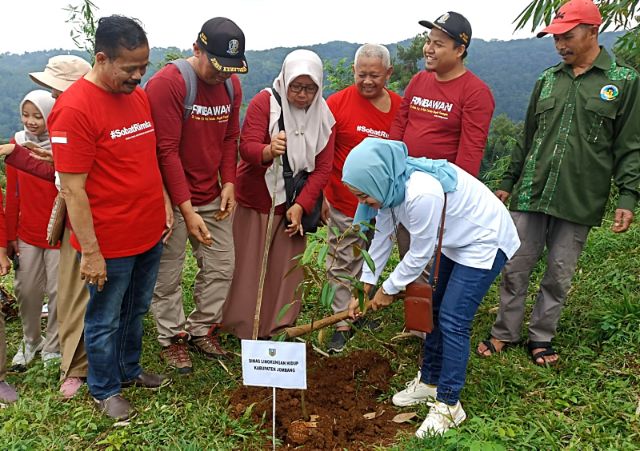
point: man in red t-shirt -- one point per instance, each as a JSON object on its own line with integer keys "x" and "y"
{"x": 103, "y": 142}
{"x": 364, "y": 109}
{"x": 446, "y": 110}
{"x": 197, "y": 156}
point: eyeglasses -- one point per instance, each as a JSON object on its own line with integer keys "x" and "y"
{"x": 297, "y": 88}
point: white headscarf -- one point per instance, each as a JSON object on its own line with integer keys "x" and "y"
{"x": 43, "y": 102}
{"x": 308, "y": 131}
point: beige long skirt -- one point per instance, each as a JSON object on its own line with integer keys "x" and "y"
{"x": 280, "y": 286}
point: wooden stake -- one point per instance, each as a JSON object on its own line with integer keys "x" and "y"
{"x": 265, "y": 255}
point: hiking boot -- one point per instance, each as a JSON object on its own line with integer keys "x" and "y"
{"x": 177, "y": 355}
{"x": 416, "y": 392}
{"x": 70, "y": 387}
{"x": 26, "y": 353}
{"x": 115, "y": 407}
{"x": 208, "y": 345}
{"x": 339, "y": 340}
{"x": 440, "y": 419}
{"x": 8, "y": 394}
{"x": 147, "y": 380}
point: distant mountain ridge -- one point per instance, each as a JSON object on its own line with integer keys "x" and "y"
{"x": 510, "y": 68}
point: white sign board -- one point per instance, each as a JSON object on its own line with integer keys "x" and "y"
{"x": 274, "y": 364}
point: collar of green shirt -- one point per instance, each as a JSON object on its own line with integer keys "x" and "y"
{"x": 603, "y": 62}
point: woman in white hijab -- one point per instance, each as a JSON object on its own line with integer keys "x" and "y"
{"x": 72, "y": 297}
{"x": 308, "y": 141}
{"x": 29, "y": 202}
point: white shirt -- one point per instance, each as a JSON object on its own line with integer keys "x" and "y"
{"x": 477, "y": 225}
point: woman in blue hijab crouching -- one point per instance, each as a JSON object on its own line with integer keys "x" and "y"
{"x": 479, "y": 237}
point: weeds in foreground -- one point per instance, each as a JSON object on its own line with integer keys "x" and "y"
{"x": 591, "y": 401}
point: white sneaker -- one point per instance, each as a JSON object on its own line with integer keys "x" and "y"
{"x": 416, "y": 392}
{"x": 440, "y": 419}
{"x": 48, "y": 357}
{"x": 26, "y": 352}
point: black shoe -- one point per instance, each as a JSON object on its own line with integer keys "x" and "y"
{"x": 17, "y": 369}
{"x": 370, "y": 325}
{"x": 339, "y": 340}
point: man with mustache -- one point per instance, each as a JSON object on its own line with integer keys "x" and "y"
{"x": 579, "y": 133}
{"x": 104, "y": 149}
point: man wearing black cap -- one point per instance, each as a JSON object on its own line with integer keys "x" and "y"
{"x": 197, "y": 137}
{"x": 446, "y": 110}
{"x": 579, "y": 134}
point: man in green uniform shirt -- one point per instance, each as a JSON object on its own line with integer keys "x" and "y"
{"x": 581, "y": 131}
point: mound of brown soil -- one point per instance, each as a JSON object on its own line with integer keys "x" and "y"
{"x": 341, "y": 401}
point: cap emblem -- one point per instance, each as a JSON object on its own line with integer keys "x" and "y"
{"x": 234, "y": 47}
{"x": 443, "y": 18}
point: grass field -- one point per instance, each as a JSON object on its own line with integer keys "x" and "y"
{"x": 591, "y": 401}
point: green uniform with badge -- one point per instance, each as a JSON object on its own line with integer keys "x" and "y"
{"x": 580, "y": 132}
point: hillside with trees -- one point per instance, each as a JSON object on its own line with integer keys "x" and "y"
{"x": 590, "y": 401}
{"x": 509, "y": 68}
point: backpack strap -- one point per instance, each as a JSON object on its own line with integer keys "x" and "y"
{"x": 191, "y": 83}
{"x": 229, "y": 87}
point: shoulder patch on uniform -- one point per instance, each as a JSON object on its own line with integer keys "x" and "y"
{"x": 549, "y": 71}
{"x": 548, "y": 79}
{"x": 619, "y": 72}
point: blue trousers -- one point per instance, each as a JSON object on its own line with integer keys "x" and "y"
{"x": 113, "y": 322}
{"x": 458, "y": 295}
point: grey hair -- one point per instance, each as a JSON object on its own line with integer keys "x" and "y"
{"x": 374, "y": 51}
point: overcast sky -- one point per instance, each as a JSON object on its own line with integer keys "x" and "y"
{"x": 30, "y": 25}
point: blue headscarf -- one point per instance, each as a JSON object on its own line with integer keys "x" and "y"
{"x": 380, "y": 168}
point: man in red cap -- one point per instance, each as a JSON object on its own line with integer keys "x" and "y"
{"x": 579, "y": 133}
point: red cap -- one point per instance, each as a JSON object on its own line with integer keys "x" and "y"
{"x": 572, "y": 14}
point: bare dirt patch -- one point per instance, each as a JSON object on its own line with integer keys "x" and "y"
{"x": 341, "y": 401}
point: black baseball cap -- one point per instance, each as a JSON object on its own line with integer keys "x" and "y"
{"x": 453, "y": 24}
{"x": 223, "y": 41}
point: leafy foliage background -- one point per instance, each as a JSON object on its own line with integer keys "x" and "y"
{"x": 510, "y": 68}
